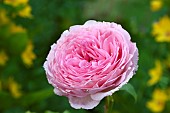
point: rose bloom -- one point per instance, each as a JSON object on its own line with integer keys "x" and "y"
{"x": 90, "y": 62}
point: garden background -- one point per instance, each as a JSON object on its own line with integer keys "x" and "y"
{"x": 29, "y": 27}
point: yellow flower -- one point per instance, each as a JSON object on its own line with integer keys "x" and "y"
{"x": 3, "y": 58}
{"x": 155, "y": 73}
{"x": 158, "y": 101}
{"x": 15, "y": 2}
{"x": 3, "y": 17}
{"x": 156, "y": 5}
{"x": 16, "y": 29}
{"x": 161, "y": 29}
{"x": 14, "y": 88}
{"x": 159, "y": 94}
{"x": 28, "y": 55}
{"x": 25, "y": 12}
{"x": 155, "y": 105}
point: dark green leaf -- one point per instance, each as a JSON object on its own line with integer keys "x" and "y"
{"x": 130, "y": 89}
{"x": 36, "y": 96}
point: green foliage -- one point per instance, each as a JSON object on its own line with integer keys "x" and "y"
{"x": 31, "y": 98}
{"x": 130, "y": 89}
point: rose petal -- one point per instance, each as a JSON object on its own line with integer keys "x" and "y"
{"x": 99, "y": 96}
{"x": 85, "y": 102}
{"x": 90, "y": 22}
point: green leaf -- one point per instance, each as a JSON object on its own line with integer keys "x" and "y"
{"x": 36, "y": 96}
{"x": 17, "y": 42}
{"x": 130, "y": 89}
{"x": 7, "y": 100}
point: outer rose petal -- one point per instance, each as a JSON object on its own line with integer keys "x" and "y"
{"x": 90, "y": 22}
{"x": 135, "y": 61}
{"x": 85, "y": 102}
{"x": 58, "y": 92}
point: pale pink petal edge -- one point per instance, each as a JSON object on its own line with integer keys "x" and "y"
{"x": 84, "y": 103}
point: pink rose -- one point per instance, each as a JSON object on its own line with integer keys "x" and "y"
{"x": 90, "y": 62}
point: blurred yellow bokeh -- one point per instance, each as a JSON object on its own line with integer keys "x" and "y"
{"x": 161, "y": 29}
{"x": 156, "y": 5}
{"x": 155, "y": 73}
{"x": 14, "y": 88}
{"x": 16, "y": 2}
{"x": 159, "y": 98}
{"x": 28, "y": 55}
{"x": 3, "y": 58}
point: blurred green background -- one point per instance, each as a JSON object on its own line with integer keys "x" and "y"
{"x": 29, "y": 27}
